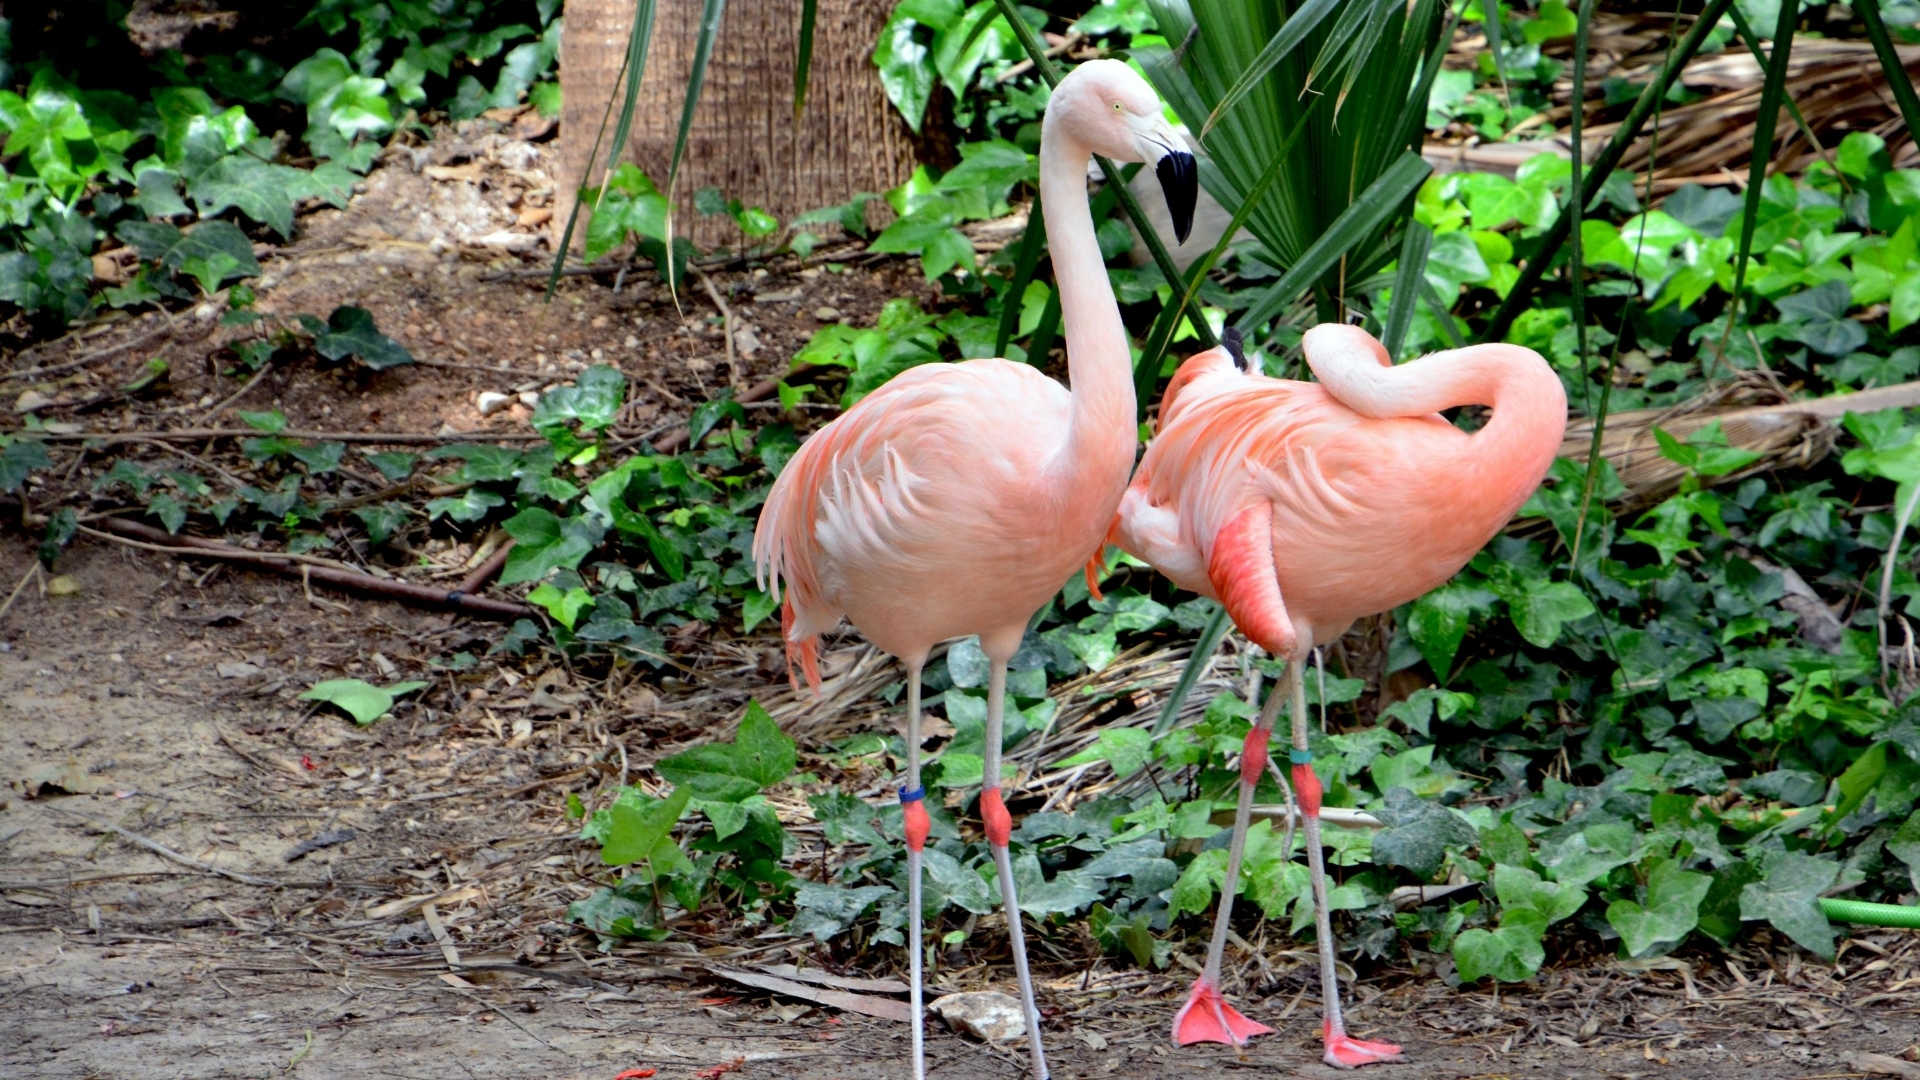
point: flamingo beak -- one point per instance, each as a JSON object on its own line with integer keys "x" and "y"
{"x": 1180, "y": 183}
{"x": 1156, "y": 141}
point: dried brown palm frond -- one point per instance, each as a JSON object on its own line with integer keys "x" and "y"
{"x": 1753, "y": 413}
{"x": 1837, "y": 85}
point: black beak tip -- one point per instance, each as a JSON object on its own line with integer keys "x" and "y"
{"x": 1236, "y": 348}
{"x": 1180, "y": 183}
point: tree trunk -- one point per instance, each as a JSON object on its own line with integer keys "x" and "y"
{"x": 745, "y": 140}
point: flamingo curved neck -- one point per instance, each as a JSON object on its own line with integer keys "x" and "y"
{"x": 1511, "y": 451}
{"x": 1101, "y": 435}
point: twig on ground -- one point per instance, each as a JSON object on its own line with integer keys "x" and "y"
{"x": 32, "y": 569}
{"x": 171, "y": 855}
{"x": 726, "y": 321}
{"x": 165, "y": 327}
{"x": 138, "y": 535}
{"x": 474, "y": 582}
{"x": 208, "y": 416}
{"x": 107, "y": 438}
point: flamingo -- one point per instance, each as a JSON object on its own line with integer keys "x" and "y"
{"x": 957, "y": 498}
{"x": 1303, "y": 506}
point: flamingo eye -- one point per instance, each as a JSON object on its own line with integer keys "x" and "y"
{"x": 1116, "y": 106}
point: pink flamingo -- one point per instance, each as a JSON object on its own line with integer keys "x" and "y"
{"x": 957, "y": 498}
{"x": 1302, "y": 507}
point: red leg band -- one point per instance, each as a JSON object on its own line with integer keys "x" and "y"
{"x": 1253, "y": 756}
{"x": 1306, "y": 788}
{"x": 918, "y": 824}
{"x": 993, "y": 812}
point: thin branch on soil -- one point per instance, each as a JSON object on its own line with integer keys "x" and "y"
{"x": 107, "y": 438}
{"x": 237, "y": 394}
{"x": 165, "y": 327}
{"x": 134, "y": 534}
{"x": 171, "y": 855}
{"x": 503, "y": 1014}
{"x": 474, "y": 582}
{"x": 519, "y": 373}
{"x": 32, "y": 569}
{"x": 181, "y": 542}
{"x": 726, "y": 321}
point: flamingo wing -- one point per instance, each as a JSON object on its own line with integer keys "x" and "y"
{"x": 900, "y": 494}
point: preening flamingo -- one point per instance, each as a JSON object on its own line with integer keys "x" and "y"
{"x": 1303, "y": 506}
{"x": 957, "y": 498}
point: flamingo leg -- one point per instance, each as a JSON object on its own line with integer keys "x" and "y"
{"x": 1206, "y": 1017}
{"x": 993, "y": 812}
{"x": 1341, "y": 1051}
{"x": 914, "y": 818}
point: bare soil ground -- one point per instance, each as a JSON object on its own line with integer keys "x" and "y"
{"x": 164, "y": 911}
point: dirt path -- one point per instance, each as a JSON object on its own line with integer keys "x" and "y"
{"x": 157, "y": 705}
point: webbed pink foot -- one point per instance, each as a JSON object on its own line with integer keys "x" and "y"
{"x": 1349, "y": 1053}
{"x": 1206, "y": 1017}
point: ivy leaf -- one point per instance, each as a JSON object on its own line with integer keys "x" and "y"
{"x": 1510, "y": 954}
{"x": 210, "y": 253}
{"x": 360, "y": 700}
{"x": 1127, "y": 750}
{"x": 759, "y": 757}
{"x": 1905, "y": 846}
{"x": 1818, "y": 319}
{"x": 1786, "y": 894}
{"x": 169, "y": 511}
{"x": 707, "y": 415}
{"x": 393, "y": 464}
{"x": 470, "y": 505}
{"x": 1438, "y": 623}
{"x": 565, "y": 607}
{"x": 593, "y": 401}
{"x": 639, "y": 827}
{"x": 1066, "y": 893}
{"x": 382, "y": 520}
{"x": 261, "y": 190}
{"x": 1586, "y": 855}
{"x": 1519, "y": 887}
{"x": 1418, "y": 833}
{"x": 18, "y": 457}
{"x": 1545, "y": 607}
{"x": 823, "y": 912}
{"x": 948, "y": 882}
{"x": 350, "y": 332}
{"x": 1672, "y": 909}
{"x": 544, "y": 543}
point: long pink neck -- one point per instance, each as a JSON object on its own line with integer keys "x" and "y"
{"x": 1101, "y": 435}
{"x": 1503, "y": 461}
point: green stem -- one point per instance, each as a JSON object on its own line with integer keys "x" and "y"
{"x": 1603, "y": 166}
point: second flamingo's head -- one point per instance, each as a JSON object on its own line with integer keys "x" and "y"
{"x": 1203, "y": 374}
{"x": 1108, "y": 108}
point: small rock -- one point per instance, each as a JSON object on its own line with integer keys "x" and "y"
{"x": 827, "y": 313}
{"x": 62, "y": 585}
{"x": 530, "y": 398}
{"x": 29, "y": 400}
{"x": 490, "y": 402}
{"x": 236, "y": 669}
{"x": 746, "y": 341}
{"x": 983, "y": 1014}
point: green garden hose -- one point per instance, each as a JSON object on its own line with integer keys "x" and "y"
{"x": 1859, "y": 911}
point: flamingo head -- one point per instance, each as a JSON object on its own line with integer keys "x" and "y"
{"x": 1112, "y": 111}
{"x": 1339, "y": 339}
{"x": 1204, "y": 374}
